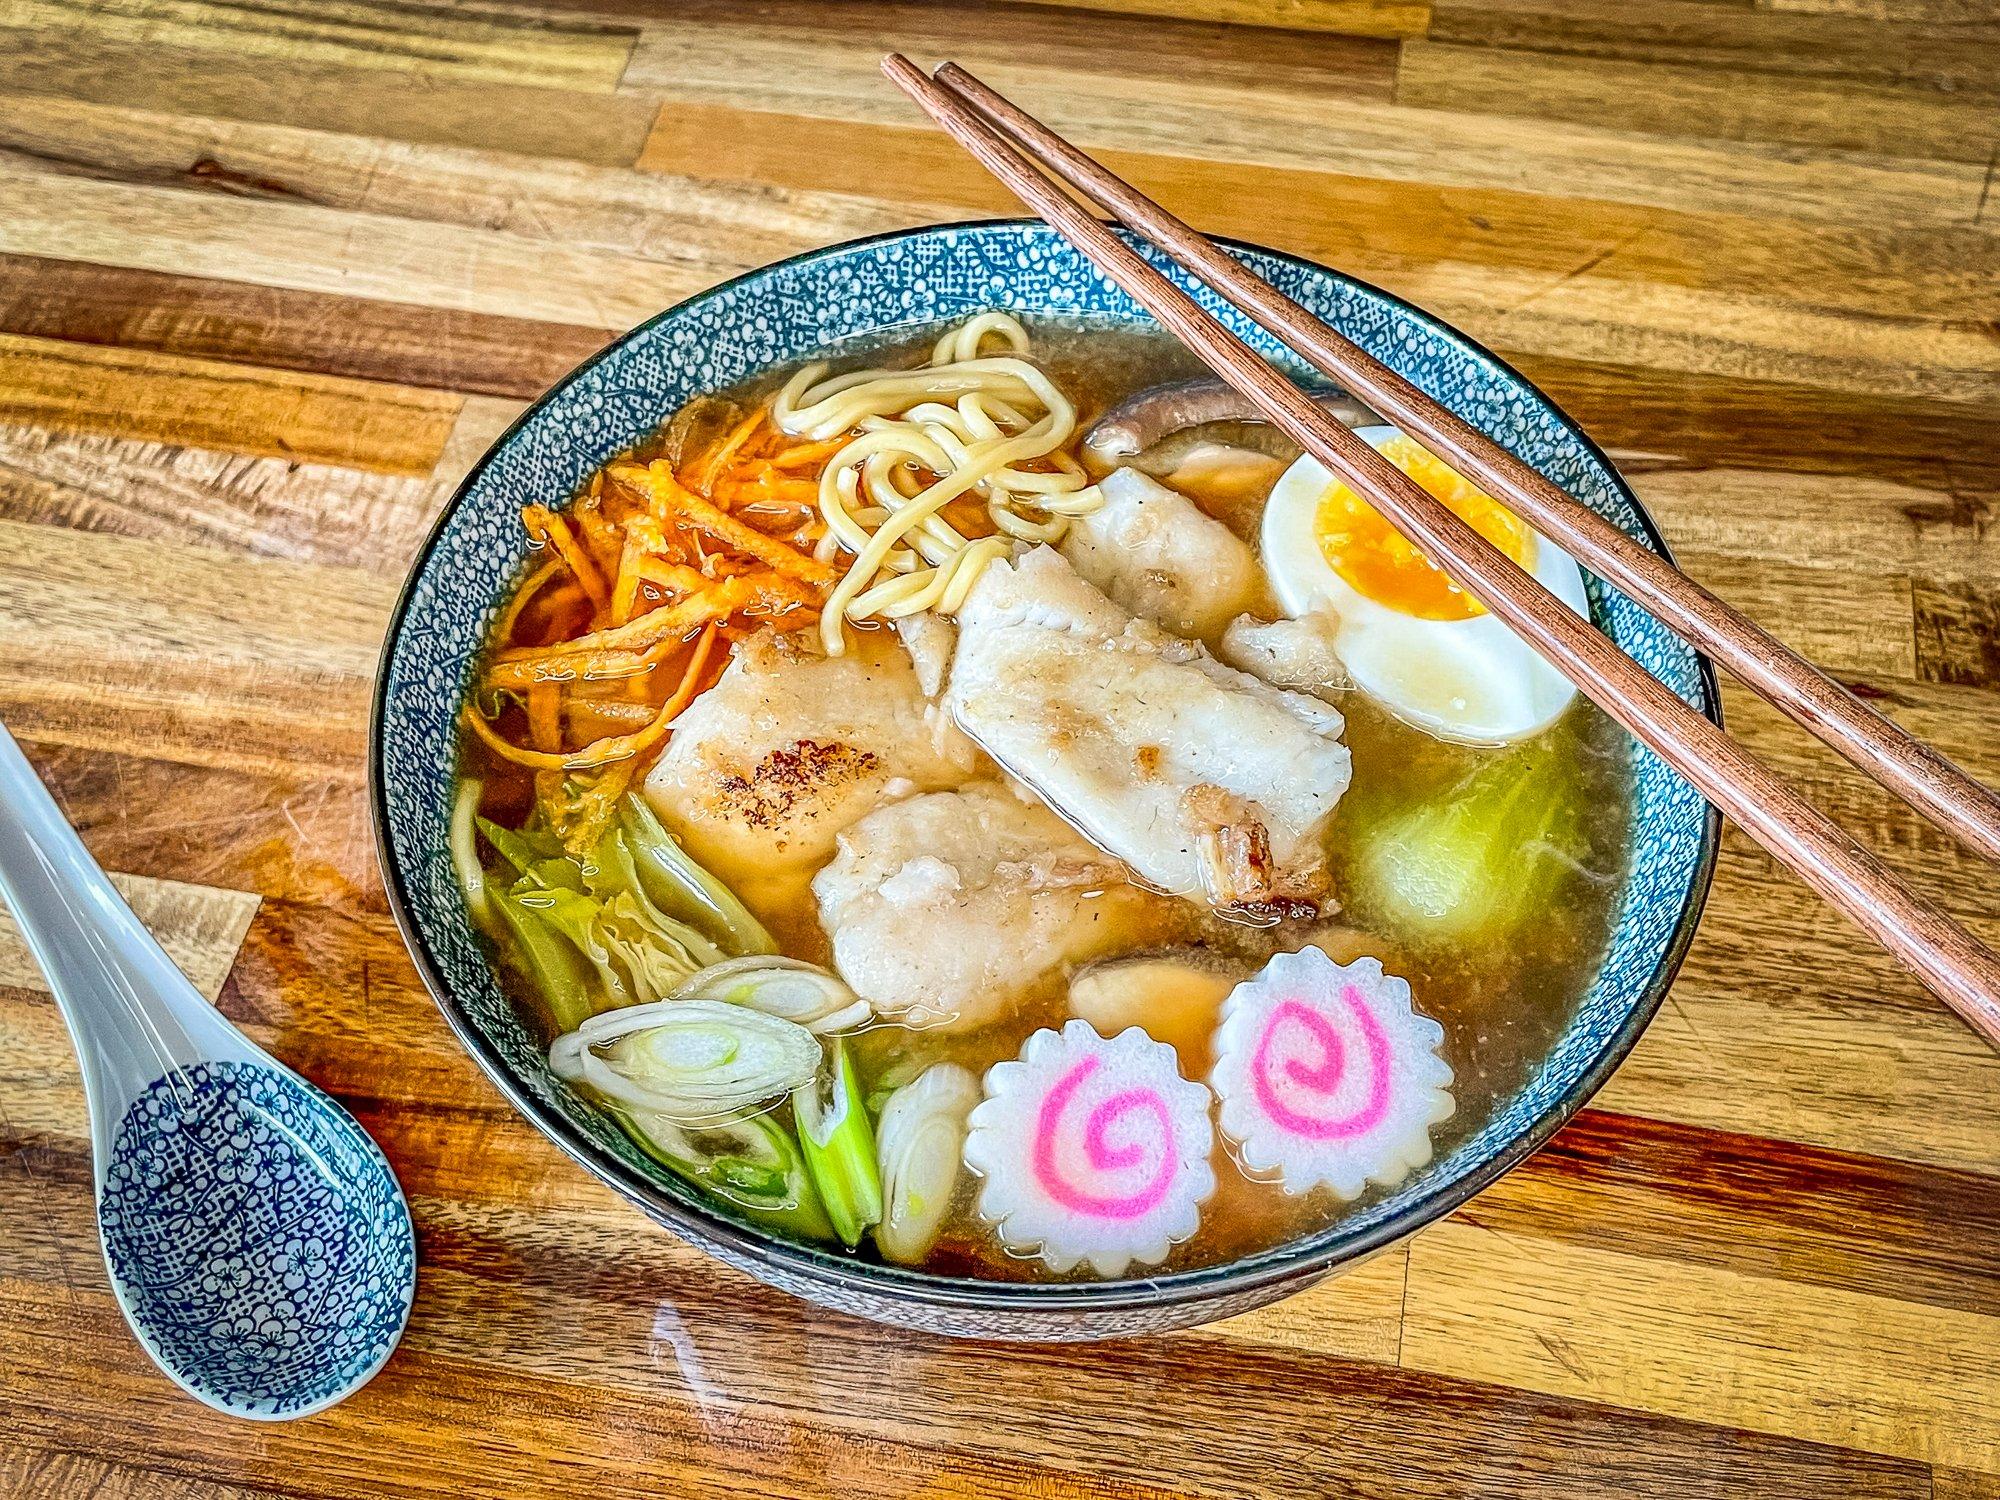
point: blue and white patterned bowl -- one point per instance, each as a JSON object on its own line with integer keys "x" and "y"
{"x": 860, "y": 291}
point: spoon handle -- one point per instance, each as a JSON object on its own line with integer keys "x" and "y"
{"x": 132, "y": 1015}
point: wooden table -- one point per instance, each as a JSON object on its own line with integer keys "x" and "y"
{"x": 273, "y": 275}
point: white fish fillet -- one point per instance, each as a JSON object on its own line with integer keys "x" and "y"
{"x": 788, "y": 748}
{"x": 1154, "y": 551}
{"x": 1293, "y": 653}
{"x": 1204, "y": 780}
{"x": 947, "y": 907}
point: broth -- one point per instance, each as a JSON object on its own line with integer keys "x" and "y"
{"x": 1503, "y": 998}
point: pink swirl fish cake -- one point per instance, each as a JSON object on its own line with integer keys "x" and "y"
{"x": 1326, "y": 1076}
{"x": 1093, "y": 1152}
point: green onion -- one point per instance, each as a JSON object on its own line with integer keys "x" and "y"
{"x": 839, "y": 1148}
{"x": 921, "y": 1142}
{"x": 785, "y": 987}
{"x": 751, "y": 1163}
{"x": 689, "y": 1060}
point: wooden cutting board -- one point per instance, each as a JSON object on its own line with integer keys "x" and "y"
{"x": 272, "y": 276}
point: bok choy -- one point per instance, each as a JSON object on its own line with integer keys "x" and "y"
{"x": 679, "y": 885}
{"x": 560, "y": 975}
{"x": 628, "y": 923}
{"x": 1469, "y": 863}
{"x": 680, "y": 1018}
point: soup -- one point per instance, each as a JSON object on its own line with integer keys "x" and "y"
{"x": 985, "y": 806}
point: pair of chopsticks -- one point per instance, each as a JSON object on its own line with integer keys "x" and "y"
{"x": 1018, "y": 149}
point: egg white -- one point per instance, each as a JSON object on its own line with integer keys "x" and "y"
{"x": 1474, "y": 681}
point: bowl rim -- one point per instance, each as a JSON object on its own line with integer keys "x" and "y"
{"x": 1304, "y": 1259}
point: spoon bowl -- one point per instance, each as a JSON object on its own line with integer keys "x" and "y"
{"x": 257, "y": 1241}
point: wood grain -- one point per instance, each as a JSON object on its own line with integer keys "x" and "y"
{"x": 1953, "y": 55}
{"x": 724, "y": 56}
{"x": 484, "y": 45}
{"x": 1662, "y": 98}
{"x": 114, "y": 643}
{"x": 208, "y": 404}
{"x": 200, "y": 926}
{"x": 1389, "y": 18}
{"x": 350, "y": 95}
{"x": 145, "y": 488}
{"x": 272, "y": 276}
{"x": 1580, "y": 280}
{"x": 447, "y": 349}
{"x": 1917, "y": 1381}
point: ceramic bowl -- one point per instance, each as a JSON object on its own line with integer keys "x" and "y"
{"x": 865, "y": 290}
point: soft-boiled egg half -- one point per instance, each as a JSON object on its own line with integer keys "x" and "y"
{"x": 1412, "y": 638}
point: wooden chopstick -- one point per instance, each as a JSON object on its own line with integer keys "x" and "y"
{"x": 1947, "y": 957}
{"x": 1877, "y": 745}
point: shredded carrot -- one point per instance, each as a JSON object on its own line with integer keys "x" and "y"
{"x": 644, "y": 528}
{"x": 591, "y": 717}
{"x": 564, "y": 609}
{"x": 614, "y": 748}
{"x": 544, "y": 716}
{"x": 670, "y": 495}
{"x": 773, "y": 586}
{"x": 584, "y": 666}
{"x": 804, "y": 455}
{"x": 643, "y": 563}
{"x": 622, "y": 645}
{"x": 767, "y": 488}
{"x": 625, "y": 589}
{"x": 601, "y": 536}
{"x": 503, "y": 628}
{"x": 719, "y": 457}
{"x": 677, "y": 577}
{"x": 543, "y": 523}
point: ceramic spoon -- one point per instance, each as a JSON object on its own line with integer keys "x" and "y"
{"x": 257, "y": 1240}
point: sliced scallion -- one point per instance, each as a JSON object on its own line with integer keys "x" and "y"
{"x": 785, "y": 987}
{"x": 839, "y": 1146}
{"x": 688, "y": 1060}
{"x": 920, "y": 1141}
{"x": 751, "y": 1163}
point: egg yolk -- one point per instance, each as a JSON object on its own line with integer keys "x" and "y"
{"x": 1377, "y": 561}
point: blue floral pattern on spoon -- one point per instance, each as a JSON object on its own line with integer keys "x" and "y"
{"x": 256, "y": 1237}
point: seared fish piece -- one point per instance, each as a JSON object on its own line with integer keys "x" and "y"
{"x": 788, "y": 748}
{"x": 1296, "y": 653}
{"x": 1206, "y": 781}
{"x": 1156, "y": 553}
{"x": 946, "y": 908}
{"x": 928, "y": 637}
